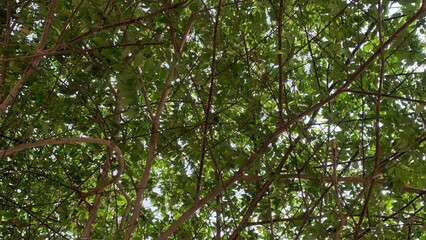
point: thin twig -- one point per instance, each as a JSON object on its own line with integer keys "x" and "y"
{"x": 187, "y": 214}
{"x": 407, "y": 188}
{"x": 209, "y": 103}
{"x": 280, "y": 61}
{"x": 66, "y": 25}
{"x": 386, "y": 95}
{"x": 260, "y": 194}
{"x": 335, "y": 183}
{"x": 152, "y": 144}
{"x": 98, "y": 197}
{"x": 24, "y": 146}
{"x": 126, "y": 22}
{"x": 377, "y": 122}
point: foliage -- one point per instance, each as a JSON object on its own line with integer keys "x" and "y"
{"x": 234, "y": 119}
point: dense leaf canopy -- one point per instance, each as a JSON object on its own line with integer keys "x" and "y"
{"x": 210, "y": 119}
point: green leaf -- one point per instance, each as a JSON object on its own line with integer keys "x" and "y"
{"x": 397, "y": 186}
{"x": 419, "y": 108}
{"x": 96, "y": 101}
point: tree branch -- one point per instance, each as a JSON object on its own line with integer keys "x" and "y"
{"x": 188, "y": 213}
{"x": 209, "y": 104}
{"x": 33, "y": 64}
{"x": 152, "y": 144}
{"x": 22, "y": 147}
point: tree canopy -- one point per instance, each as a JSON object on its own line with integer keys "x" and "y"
{"x": 201, "y": 119}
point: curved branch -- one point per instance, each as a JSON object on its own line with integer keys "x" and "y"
{"x": 62, "y": 141}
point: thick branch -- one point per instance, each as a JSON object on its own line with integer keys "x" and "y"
{"x": 33, "y": 64}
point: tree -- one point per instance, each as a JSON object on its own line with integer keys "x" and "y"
{"x": 212, "y": 119}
